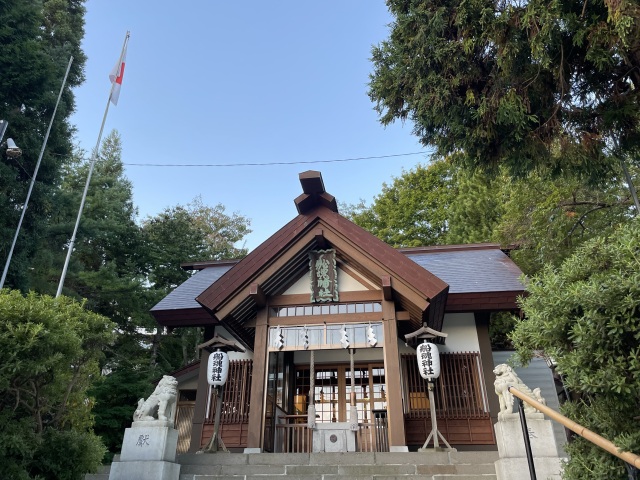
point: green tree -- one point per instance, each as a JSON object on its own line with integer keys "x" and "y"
{"x": 547, "y": 219}
{"x": 49, "y": 352}
{"x": 551, "y": 84}
{"x": 585, "y": 315}
{"x": 413, "y": 210}
{"x": 37, "y": 38}
{"x": 190, "y": 233}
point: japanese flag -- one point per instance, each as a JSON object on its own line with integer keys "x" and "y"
{"x": 116, "y": 76}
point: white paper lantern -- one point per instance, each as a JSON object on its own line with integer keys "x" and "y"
{"x": 218, "y": 368}
{"x": 428, "y": 361}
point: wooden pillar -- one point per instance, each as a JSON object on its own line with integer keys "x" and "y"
{"x": 395, "y": 413}
{"x": 258, "y": 383}
{"x": 202, "y": 396}
{"x": 486, "y": 358}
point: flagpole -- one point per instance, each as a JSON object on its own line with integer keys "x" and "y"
{"x": 94, "y": 158}
{"x": 35, "y": 173}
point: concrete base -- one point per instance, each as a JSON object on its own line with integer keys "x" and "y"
{"x": 252, "y": 450}
{"x": 511, "y": 444}
{"x": 511, "y": 448}
{"x": 148, "y": 453}
{"x": 141, "y": 470}
{"x": 398, "y": 449}
{"x": 546, "y": 468}
{"x": 438, "y": 449}
{"x": 334, "y": 437}
{"x": 148, "y": 443}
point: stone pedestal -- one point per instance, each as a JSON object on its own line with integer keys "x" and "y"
{"x": 148, "y": 452}
{"x": 511, "y": 449}
{"x": 334, "y": 437}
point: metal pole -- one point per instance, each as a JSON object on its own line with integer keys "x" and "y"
{"x": 434, "y": 422}
{"x": 216, "y": 421}
{"x": 94, "y": 157}
{"x": 35, "y": 173}
{"x": 527, "y": 442}
{"x": 3, "y": 128}
{"x": 632, "y": 188}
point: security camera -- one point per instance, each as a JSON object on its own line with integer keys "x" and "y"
{"x": 13, "y": 151}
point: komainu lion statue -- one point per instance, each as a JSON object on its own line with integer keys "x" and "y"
{"x": 161, "y": 402}
{"x": 505, "y": 378}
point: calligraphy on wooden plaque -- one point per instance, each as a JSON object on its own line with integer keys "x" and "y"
{"x": 324, "y": 276}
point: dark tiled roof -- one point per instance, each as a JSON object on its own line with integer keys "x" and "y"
{"x": 473, "y": 270}
{"x": 184, "y": 296}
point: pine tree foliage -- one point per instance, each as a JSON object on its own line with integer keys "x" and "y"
{"x": 37, "y": 37}
{"x": 525, "y": 84}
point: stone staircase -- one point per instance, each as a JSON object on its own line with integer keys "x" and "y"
{"x": 334, "y": 466}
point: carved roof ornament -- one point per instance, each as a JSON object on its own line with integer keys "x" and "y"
{"x": 323, "y": 274}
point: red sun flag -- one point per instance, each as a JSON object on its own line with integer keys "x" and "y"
{"x": 116, "y": 76}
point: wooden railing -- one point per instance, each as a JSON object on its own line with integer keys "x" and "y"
{"x": 293, "y": 436}
{"x": 373, "y": 437}
{"x": 460, "y": 392}
{"x": 184, "y": 419}
{"x": 235, "y": 394}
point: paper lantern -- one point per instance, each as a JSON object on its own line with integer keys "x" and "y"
{"x": 428, "y": 361}
{"x": 218, "y": 368}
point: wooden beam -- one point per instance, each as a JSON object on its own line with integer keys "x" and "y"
{"x": 329, "y": 201}
{"x": 392, "y": 377}
{"x": 403, "y": 316}
{"x": 320, "y": 319}
{"x": 320, "y": 240}
{"x": 311, "y": 182}
{"x": 304, "y": 202}
{"x": 364, "y": 296}
{"x": 258, "y": 296}
{"x": 486, "y": 358}
{"x": 258, "y": 382}
{"x": 202, "y": 396}
{"x": 387, "y": 291}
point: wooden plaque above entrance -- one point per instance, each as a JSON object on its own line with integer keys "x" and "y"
{"x": 324, "y": 276}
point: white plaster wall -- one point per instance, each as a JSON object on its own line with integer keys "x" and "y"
{"x": 463, "y": 336}
{"x": 189, "y": 384}
{"x": 223, "y": 332}
{"x": 346, "y": 283}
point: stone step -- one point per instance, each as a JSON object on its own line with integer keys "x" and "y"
{"x": 384, "y": 458}
{"x": 333, "y": 466}
{"x": 101, "y": 474}
{"x": 444, "y": 476}
{"x": 345, "y": 470}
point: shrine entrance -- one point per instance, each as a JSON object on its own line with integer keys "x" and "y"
{"x": 332, "y": 391}
{"x": 321, "y": 406}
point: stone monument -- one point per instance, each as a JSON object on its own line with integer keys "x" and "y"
{"x": 149, "y": 446}
{"x": 511, "y": 449}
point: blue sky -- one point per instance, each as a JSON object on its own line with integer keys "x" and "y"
{"x": 225, "y": 82}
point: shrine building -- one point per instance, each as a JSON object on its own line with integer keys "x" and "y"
{"x": 329, "y": 317}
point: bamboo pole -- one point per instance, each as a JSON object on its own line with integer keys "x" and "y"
{"x": 630, "y": 458}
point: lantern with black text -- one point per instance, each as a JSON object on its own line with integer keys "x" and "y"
{"x": 217, "y": 368}
{"x": 428, "y": 361}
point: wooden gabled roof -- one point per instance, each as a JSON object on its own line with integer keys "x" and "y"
{"x": 267, "y": 270}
